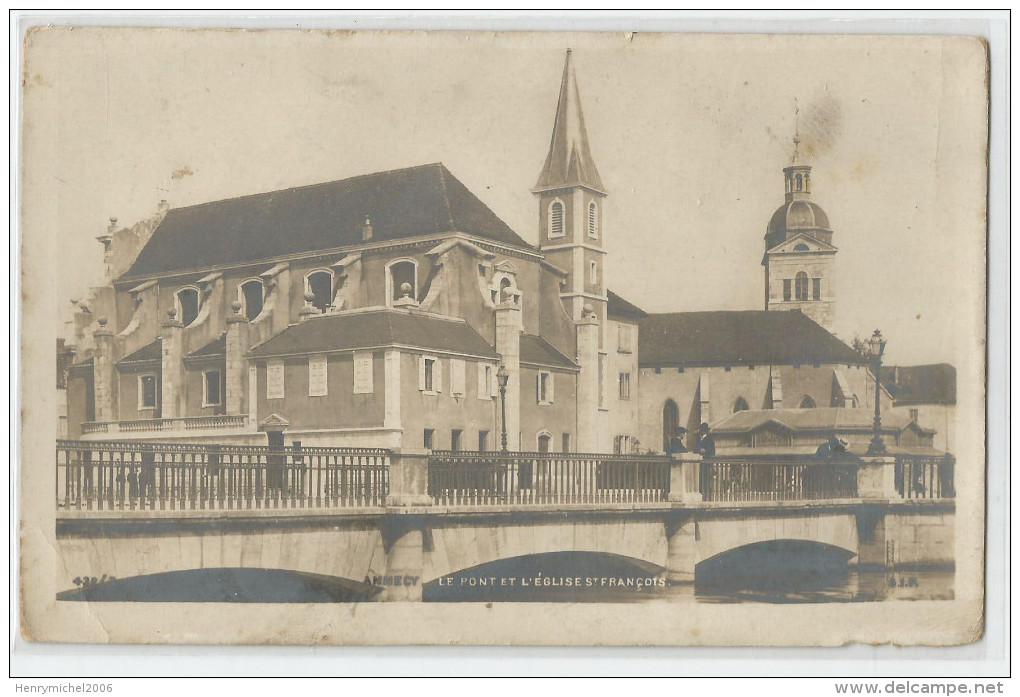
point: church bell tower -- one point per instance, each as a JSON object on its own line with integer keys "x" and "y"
{"x": 798, "y": 250}
{"x": 570, "y": 206}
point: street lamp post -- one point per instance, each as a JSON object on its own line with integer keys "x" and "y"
{"x": 876, "y": 347}
{"x": 503, "y": 377}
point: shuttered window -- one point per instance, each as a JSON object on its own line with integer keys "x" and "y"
{"x": 457, "y": 376}
{"x": 544, "y": 386}
{"x": 556, "y": 219}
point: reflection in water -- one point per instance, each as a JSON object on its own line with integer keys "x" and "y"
{"x": 225, "y": 585}
{"x": 767, "y": 573}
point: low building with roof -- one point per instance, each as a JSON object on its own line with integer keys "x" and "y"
{"x": 801, "y": 431}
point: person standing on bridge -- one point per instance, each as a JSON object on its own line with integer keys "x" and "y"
{"x": 676, "y": 443}
{"x": 705, "y": 443}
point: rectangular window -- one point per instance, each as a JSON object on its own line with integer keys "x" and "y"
{"x": 623, "y": 338}
{"x": 318, "y": 373}
{"x": 593, "y": 273}
{"x": 624, "y": 385}
{"x": 483, "y": 441}
{"x": 816, "y": 288}
{"x": 566, "y": 442}
{"x": 913, "y": 414}
{"x": 147, "y": 391}
{"x": 455, "y": 438}
{"x": 430, "y": 375}
{"x": 429, "y": 438}
{"x": 787, "y": 289}
{"x": 457, "y": 377}
{"x": 363, "y": 377}
{"x": 485, "y": 381}
{"x": 211, "y": 382}
{"x": 544, "y": 387}
{"x": 274, "y": 380}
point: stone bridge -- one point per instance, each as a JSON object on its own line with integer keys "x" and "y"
{"x": 414, "y": 544}
{"x": 397, "y": 554}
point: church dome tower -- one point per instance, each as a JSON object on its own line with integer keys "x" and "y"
{"x": 798, "y": 250}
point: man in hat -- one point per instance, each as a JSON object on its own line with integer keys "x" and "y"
{"x": 705, "y": 443}
{"x": 834, "y": 447}
{"x": 676, "y": 443}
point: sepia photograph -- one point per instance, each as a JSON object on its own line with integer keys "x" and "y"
{"x": 503, "y": 338}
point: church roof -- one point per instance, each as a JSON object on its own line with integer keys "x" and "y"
{"x": 618, "y": 307}
{"x": 569, "y": 162}
{"x": 537, "y": 351}
{"x": 920, "y": 384}
{"x": 400, "y": 203}
{"x": 738, "y": 338}
{"x": 378, "y": 328}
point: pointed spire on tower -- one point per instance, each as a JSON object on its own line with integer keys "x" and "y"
{"x": 569, "y": 162}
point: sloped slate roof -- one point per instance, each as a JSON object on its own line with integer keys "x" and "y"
{"x": 618, "y": 307}
{"x": 148, "y": 353}
{"x": 538, "y": 351}
{"x": 216, "y": 347}
{"x": 921, "y": 384}
{"x": 738, "y": 338}
{"x": 358, "y": 330}
{"x": 400, "y": 203}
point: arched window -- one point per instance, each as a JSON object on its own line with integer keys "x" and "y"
{"x": 593, "y": 220}
{"x": 806, "y": 402}
{"x": 801, "y": 247}
{"x": 187, "y": 305}
{"x": 544, "y": 441}
{"x": 800, "y": 183}
{"x": 740, "y": 405}
{"x": 556, "y": 219}
{"x": 854, "y": 402}
{"x": 670, "y": 422}
{"x": 801, "y": 286}
{"x": 252, "y": 294}
{"x": 398, "y": 273}
{"x": 319, "y": 284}
{"x": 807, "y": 183}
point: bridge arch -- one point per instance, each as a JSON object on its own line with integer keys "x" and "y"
{"x": 454, "y": 549}
{"x": 720, "y": 535}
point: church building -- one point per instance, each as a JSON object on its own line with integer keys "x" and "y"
{"x": 382, "y": 310}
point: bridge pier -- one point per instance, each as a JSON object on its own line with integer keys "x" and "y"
{"x": 681, "y": 549}
{"x": 404, "y": 542}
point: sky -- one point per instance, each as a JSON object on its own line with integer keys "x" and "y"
{"x": 690, "y": 134}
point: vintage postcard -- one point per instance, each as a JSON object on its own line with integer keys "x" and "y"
{"x": 502, "y": 338}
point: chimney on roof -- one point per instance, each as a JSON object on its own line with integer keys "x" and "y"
{"x": 366, "y": 230}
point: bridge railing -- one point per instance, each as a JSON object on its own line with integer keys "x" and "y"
{"x": 925, "y": 477}
{"x": 460, "y": 478}
{"x": 164, "y": 476}
{"x": 789, "y": 478}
